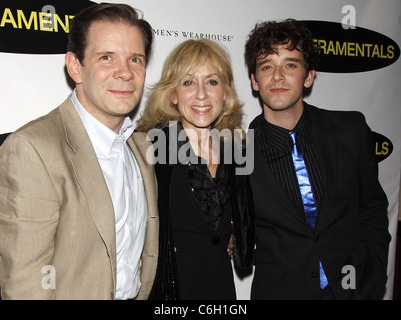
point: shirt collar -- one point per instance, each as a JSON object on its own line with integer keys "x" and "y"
{"x": 101, "y": 136}
{"x": 280, "y": 138}
{"x": 276, "y": 136}
{"x": 304, "y": 127}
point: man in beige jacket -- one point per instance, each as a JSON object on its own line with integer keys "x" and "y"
{"x": 78, "y": 214}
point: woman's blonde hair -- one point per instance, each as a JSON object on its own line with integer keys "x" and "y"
{"x": 186, "y": 58}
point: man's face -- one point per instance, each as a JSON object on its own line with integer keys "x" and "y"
{"x": 110, "y": 79}
{"x": 280, "y": 79}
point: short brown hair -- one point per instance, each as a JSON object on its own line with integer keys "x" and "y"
{"x": 77, "y": 38}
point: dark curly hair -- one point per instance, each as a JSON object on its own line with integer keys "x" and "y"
{"x": 266, "y": 36}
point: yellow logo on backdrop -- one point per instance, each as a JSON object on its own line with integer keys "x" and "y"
{"x": 346, "y": 49}
{"x": 41, "y": 21}
{"x": 37, "y": 26}
{"x": 383, "y": 146}
{"x": 354, "y": 49}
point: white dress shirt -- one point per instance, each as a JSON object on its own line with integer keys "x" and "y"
{"x": 124, "y": 181}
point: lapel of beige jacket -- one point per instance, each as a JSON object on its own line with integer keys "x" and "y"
{"x": 140, "y": 148}
{"x": 90, "y": 178}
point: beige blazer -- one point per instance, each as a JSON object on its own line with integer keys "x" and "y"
{"x": 57, "y": 217}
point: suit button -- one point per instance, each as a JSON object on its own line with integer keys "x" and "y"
{"x": 316, "y": 238}
{"x": 313, "y": 274}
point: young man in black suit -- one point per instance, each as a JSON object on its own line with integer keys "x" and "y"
{"x": 340, "y": 252}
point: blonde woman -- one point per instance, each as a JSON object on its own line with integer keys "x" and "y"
{"x": 202, "y": 202}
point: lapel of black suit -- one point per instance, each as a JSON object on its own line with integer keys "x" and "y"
{"x": 274, "y": 187}
{"x": 325, "y": 143}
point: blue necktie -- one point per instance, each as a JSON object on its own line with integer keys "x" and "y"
{"x": 307, "y": 196}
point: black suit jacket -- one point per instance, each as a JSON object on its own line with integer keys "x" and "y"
{"x": 352, "y": 225}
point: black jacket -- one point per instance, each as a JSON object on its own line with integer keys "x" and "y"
{"x": 165, "y": 286}
{"x": 351, "y": 229}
